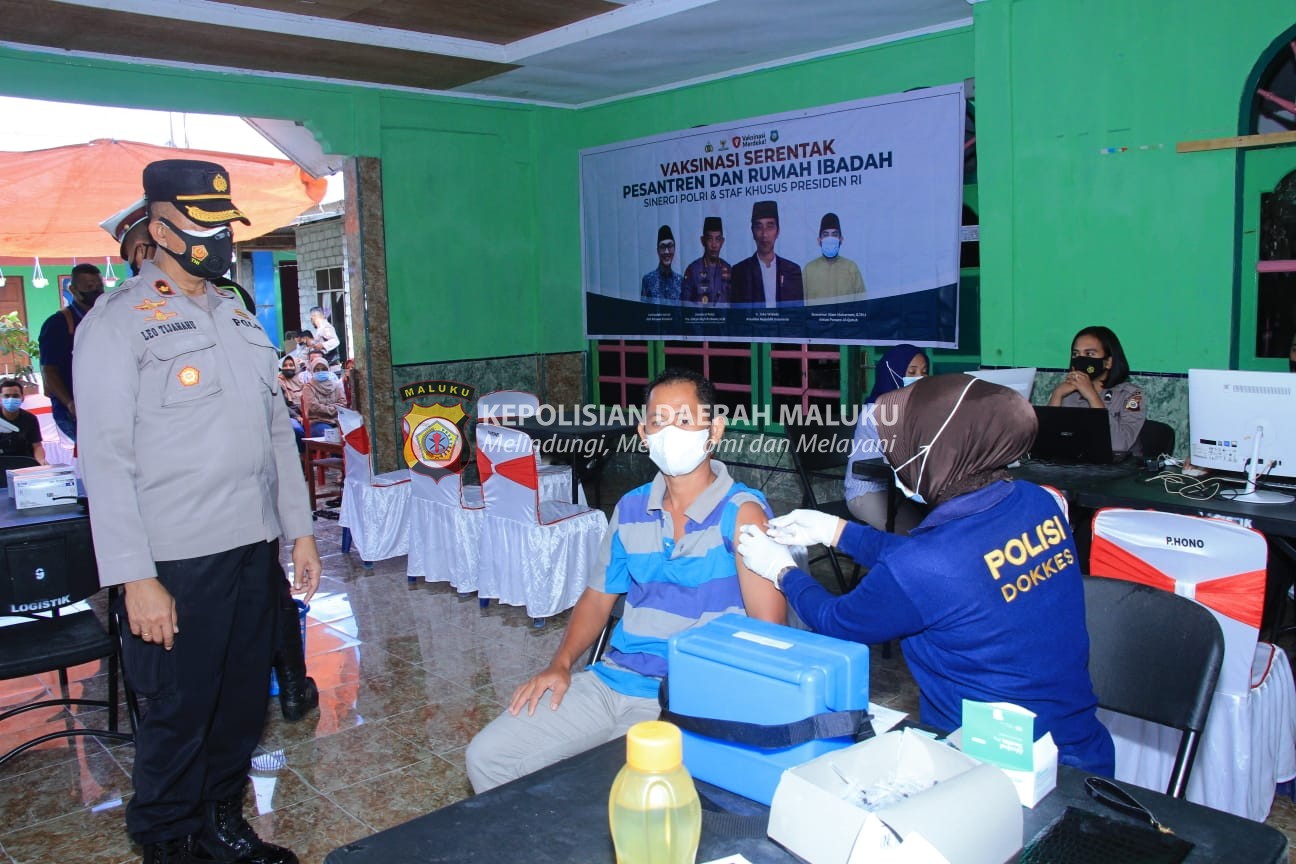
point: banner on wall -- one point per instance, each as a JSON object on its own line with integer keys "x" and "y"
{"x": 838, "y": 224}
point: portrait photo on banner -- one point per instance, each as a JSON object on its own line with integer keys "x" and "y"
{"x": 838, "y": 224}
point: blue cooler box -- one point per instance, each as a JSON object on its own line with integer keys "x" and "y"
{"x": 739, "y": 668}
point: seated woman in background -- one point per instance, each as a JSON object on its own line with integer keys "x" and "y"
{"x": 1099, "y": 378}
{"x": 958, "y": 591}
{"x": 321, "y": 396}
{"x": 867, "y": 498}
{"x": 290, "y": 384}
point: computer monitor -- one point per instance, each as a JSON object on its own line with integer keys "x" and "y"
{"x": 1244, "y": 421}
{"x": 1022, "y": 380}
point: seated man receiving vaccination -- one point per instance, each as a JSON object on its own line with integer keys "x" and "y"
{"x": 670, "y": 550}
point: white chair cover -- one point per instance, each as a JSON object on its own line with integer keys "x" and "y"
{"x": 445, "y": 529}
{"x": 1249, "y": 743}
{"x": 59, "y": 449}
{"x": 533, "y": 553}
{"x": 375, "y": 508}
{"x": 509, "y": 406}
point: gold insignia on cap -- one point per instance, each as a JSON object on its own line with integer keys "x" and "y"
{"x": 220, "y": 184}
{"x": 188, "y": 376}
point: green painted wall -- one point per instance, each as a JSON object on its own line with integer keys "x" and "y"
{"x": 482, "y": 201}
{"x": 1142, "y": 241}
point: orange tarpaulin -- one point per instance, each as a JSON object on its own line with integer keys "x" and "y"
{"x": 52, "y": 201}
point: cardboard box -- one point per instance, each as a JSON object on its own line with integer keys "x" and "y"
{"x": 751, "y": 671}
{"x": 965, "y": 813}
{"x": 12, "y": 475}
{"x": 1003, "y": 735}
{"x": 44, "y": 490}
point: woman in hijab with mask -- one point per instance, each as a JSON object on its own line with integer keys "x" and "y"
{"x": 986, "y": 593}
{"x": 321, "y": 396}
{"x": 1099, "y": 378}
{"x": 867, "y": 498}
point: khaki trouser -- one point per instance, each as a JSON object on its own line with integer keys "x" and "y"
{"x": 591, "y": 713}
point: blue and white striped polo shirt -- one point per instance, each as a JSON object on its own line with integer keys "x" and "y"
{"x": 669, "y": 586}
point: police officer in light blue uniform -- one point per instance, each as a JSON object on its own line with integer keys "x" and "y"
{"x": 193, "y": 476}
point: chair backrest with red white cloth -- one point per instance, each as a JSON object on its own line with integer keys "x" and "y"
{"x": 1217, "y": 563}
{"x": 507, "y": 467}
{"x": 355, "y": 445}
{"x": 507, "y": 406}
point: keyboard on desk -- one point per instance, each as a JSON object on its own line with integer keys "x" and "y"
{"x": 1060, "y": 473}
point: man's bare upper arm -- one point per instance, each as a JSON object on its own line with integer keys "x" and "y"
{"x": 760, "y": 597}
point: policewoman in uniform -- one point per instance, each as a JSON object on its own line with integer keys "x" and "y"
{"x": 1099, "y": 378}
{"x": 985, "y": 593}
{"x": 193, "y": 476}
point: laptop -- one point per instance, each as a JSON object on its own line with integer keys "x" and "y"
{"x": 1075, "y": 435}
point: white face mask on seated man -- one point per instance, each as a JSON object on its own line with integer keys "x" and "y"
{"x": 677, "y": 451}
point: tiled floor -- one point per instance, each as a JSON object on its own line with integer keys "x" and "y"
{"x": 407, "y": 674}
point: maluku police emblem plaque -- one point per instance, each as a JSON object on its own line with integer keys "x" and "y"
{"x": 434, "y": 439}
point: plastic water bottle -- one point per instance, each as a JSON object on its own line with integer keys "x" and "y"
{"x": 654, "y": 811}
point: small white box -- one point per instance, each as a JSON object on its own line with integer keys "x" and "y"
{"x": 966, "y": 813}
{"x": 44, "y": 491}
{"x": 12, "y": 474}
{"x": 1003, "y": 735}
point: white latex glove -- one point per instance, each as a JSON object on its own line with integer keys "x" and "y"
{"x": 762, "y": 555}
{"x": 806, "y": 528}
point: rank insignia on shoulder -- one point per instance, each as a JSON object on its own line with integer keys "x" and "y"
{"x": 150, "y": 305}
{"x": 163, "y": 288}
{"x": 189, "y": 376}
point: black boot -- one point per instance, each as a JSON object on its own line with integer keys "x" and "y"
{"x": 297, "y": 692}
{"x": 226, "y": 836}
{"x": 176, "y": 851}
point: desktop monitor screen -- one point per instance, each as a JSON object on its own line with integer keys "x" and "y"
{"x": 1021, "y": 380}
{"x": 1233, "y": 414}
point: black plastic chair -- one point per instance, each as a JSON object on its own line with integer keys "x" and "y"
{"x": 1156, "y": 656}
{"x": 820, "y": 452}
{"x": 1154, "y": 439}
{"x": 44, "y": 569}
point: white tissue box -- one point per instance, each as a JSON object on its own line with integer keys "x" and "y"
{"x": 13, "y": 475}
{"x": 44, "y": 490}
{"x": 1003, "y": 735}
{"x": 965, "y": 813}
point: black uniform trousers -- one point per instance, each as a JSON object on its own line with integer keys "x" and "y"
{"x": 204, "y": 701}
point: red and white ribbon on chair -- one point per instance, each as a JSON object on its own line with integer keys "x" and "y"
{"x": 521, "y": 470}
{"x": 1239, "y": 596}
{"x": 358, "y": 440}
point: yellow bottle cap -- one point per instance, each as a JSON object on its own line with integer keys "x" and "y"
{"x": 654, "y": 745}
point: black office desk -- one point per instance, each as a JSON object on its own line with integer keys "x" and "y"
{"x": 587, "y": 445}
{"x": 559, "y": 815}
{"x": 12, "y": 517}
{"x": 1135, "y": 492}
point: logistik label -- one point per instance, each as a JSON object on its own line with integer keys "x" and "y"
{"x": 1030, "y": 546}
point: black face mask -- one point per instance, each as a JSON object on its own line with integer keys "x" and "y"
{"x": 1091, "y": 366}
{"x": 289, "y": 373}
{"x": 88, "y": 298}
{"x": 205, "y": 256}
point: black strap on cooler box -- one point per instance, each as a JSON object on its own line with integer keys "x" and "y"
{"x": 830, "y": 724}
